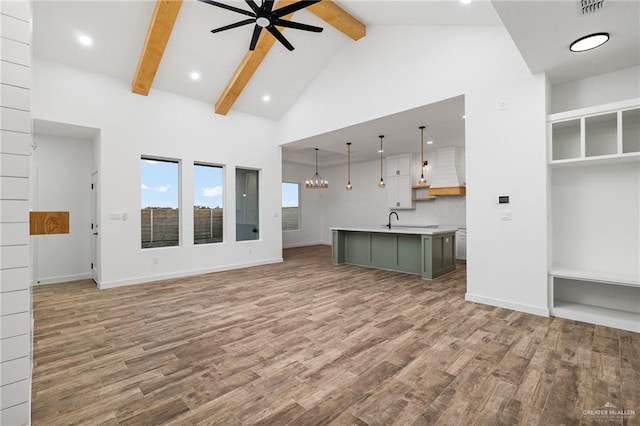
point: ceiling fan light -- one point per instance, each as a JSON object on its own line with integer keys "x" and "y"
{"x": 263, "y": 22}
{"x": 589, "y": 42}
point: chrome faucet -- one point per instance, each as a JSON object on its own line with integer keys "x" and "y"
{"x": 397, "y": 218}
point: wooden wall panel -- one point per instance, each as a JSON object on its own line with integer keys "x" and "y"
{"x": 45, "y": 223}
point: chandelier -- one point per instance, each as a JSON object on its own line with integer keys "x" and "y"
{"x": 316, "y": 181}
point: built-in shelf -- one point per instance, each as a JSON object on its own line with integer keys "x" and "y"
{"x": 595, "y": 134}
{"x": 427, "y": 195}
{"x": 448, "y": 190}
{"x": 597, "y": 315}
{"x": 599, "y": 160}
{"x": 596, "y": 276}
{"x": 593, "y": 159}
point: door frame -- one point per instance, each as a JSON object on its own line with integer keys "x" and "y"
{"x": 95, "y": 228}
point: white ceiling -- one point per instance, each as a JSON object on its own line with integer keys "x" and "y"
{"x": 443, "y": 120}
{"x": 118, "y": 29}
{"x": 542, "y": 31}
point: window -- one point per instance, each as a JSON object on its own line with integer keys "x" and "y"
{"x": 290, "y": 206}
{"x": 247, "y": 207}
{"x": 207, "y": 204}
{"x": 160, "y": 199}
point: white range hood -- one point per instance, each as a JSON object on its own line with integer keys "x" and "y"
{"x": 449, "y": 174}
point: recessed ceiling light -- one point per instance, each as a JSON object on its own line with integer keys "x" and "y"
{"x": 465, "y": 1}
{"x": 589, "y": 42}
{"x": 266, "y": 98}
{"x": 195, "y": 75}
{"x": 85, "y": 40}
{"x": 429, "y": 142}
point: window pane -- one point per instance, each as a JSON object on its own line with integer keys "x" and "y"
{"x": 207, "y": 204}
{"x": 247, "y": 214}
{"x": 290, "y": 206}
{"x": 160, "y": 198}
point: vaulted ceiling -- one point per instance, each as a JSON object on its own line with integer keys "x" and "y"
{"x": 541, "y": 30}
{"x": 119, "y": 30}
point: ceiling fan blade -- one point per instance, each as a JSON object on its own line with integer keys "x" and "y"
{"x": 254, "y": 37}
{"x": 252, "y": 4}
{"x": 226, "y": 6}
{"x": 279, "y": 13}
{"x": 278, "y": 35}
{"x": 268, "y": 6}
{"x": 237, "y": 24}
{"x": 297, "y": 25}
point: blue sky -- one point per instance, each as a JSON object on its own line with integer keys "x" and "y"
{"x": 290, "y": 194}
{"x": 160, "y": 184}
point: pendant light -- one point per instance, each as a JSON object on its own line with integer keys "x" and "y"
{"x": 381, "y": 183}
{"x": 316, "y": 181}
{"x": 349, "y": 187}
{"x": 422, "y": 181}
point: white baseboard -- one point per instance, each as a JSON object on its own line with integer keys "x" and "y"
{"x": 304, "y": 245}
{"x": 181, "y": 274}
{"x": 62, "y": 279}
{"x": 535, "y": 310}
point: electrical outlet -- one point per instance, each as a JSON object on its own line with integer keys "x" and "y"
{"x": 505, "y": 215}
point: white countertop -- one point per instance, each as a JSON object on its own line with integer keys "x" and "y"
{"x": 401, "y": 230}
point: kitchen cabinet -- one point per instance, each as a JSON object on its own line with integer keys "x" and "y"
{"x": 398, "y": 184}
{"x": 441, "y": 249}
{"x": 428, "y": 252}
{"x": 594, "y": 204}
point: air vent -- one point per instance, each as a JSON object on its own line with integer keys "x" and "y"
{"x": 591, "y": 6}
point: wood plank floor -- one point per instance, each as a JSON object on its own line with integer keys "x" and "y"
{"x": 306, "y": 342}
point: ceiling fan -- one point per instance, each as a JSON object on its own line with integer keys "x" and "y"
{"x": 264, "y": 17}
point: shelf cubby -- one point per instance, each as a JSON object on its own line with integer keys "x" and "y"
{"x": 566, "y": 139}
{"x": 631, "y": 131}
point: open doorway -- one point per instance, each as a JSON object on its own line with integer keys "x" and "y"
{"x": 64, "y": 175}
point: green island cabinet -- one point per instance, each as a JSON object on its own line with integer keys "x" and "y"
{"x": 427, "y": 252}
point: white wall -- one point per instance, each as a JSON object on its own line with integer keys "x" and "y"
{"x": 15, "y": 146}
{"x": 61, "y": 181}
{"x": 601, "y": 89}
{"x": 397, "y": 68}
{"x": 311, "y": 217}
{"x": 599, "y": 234}
{"x": 169, "y": 126}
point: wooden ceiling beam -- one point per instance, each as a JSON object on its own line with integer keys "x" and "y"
{"x": 248, "y": 67}
{"x": 158, "y": 33}
{"x": 339, "y": 18}
{"x": 326, "y": 10}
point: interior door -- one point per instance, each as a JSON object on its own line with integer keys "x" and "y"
{"x": 94, "y": 227}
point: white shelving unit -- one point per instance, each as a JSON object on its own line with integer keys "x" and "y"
{"x": 594, "y": 204}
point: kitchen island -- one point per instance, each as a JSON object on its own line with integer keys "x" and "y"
{"x": 428, "y": 252}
